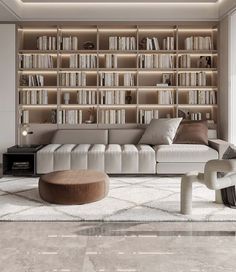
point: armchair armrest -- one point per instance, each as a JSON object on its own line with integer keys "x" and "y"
{"x": 213, "y": 167}
{"x": 225, "y": 166}
{"x": 219, "y": 145}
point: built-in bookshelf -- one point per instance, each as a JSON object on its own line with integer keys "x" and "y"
{"x": 75, "y": 75}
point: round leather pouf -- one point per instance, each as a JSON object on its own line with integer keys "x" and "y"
{"x": 73, "y": 187}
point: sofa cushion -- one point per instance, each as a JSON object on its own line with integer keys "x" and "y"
{"x": 80, "y": 136}
{"x": 113, "y": 159}
{"x": 146, "y": 159}
{"x": 192, "y": 132}
{"x": 62, "y": 157}
{"x": 45, "y": 158}
{"x": 185, "y": 153}
{"x": 129, "y": 159}
{"x": 79, "y": 157}
{"x": 125, "y": 136}
{"x": 96, "y": 157}
{"x": 160, "y": 131}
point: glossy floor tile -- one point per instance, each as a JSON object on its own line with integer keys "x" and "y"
{"x": 130, "y": 247}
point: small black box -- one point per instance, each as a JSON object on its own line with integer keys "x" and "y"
{"x": 24, "y": 149}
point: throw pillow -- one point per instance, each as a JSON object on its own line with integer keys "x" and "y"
{"x": 229, "y": 154}
{"x": 228, "y": 194}
{"x": 160, "y": 131}
{"x": 192, "y": 132}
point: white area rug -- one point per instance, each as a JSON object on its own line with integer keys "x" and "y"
{"x": 129, "y": 199}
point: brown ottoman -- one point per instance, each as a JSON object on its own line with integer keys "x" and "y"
{"x": 73, "y": 187}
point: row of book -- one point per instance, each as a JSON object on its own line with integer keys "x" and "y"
{"x": 165, "y": 97}
{"x": 112, "y": 79}
{"x": 113, "y": 97}
{"x": 109, "y": 79}
{"x": 47, "y": 43}
{"x": 152, "y": 43}
{"x": 32, "y": 80}
{"x": 196, "y": 116}
{"x": 110, "y": 61}
{"x": 156, "y": 61}
{"x": 24, "y": 117}
{"x": 83, "y": 61}
{"x": 34, "y": 97}
{"x": 113, "y": 116}
{"x": 35, "y": 61}
{"x": 145, "y": 116}
{"x": 85, "y": 97}
{"x": 198, "y": 43}
{"x": 168, "y": 43}
{"x": 70, "y": 117}
{"x": 185, "y": 61}
{"x": 69, "y": 43}
{"x": 129, "y": 79}
{"x": 193, "y": 79}
{"x": 201, "y": 62}
{"x": 122, "y": 43}
{"x": 73, "y": 79}
{"x": 202, "y": 97}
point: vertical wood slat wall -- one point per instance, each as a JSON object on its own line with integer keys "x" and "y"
{"x": 27, "y": 36}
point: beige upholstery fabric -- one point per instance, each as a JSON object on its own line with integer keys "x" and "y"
{"x": 79, "y": 157}
{"x": 125, "y": 136}
{"x": 62, "y": 157}
{"x": 45, "y": 158}
{"x": 113, "y": 159}
{"x": 96, "y": 157}
{"x": 160, "y": 131}
{"x": 185, "y": 153}
{"x": 116, "y": 158}
{"x": 179, "y": 167}
{"x": 209, "y": 178}
{"x": 146, "y": 158}
{"x": 80, "y": 136}
{"x": 129, "y": 159}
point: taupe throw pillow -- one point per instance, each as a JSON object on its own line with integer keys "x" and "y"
{"x": 160, "y": 131}
{"x": 192, "y": 132}
{"x": 229, "y": 154}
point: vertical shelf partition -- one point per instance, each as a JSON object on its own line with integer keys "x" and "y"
{"x": 65, "y": 72}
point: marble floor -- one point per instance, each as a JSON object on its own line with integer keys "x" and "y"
{"x": 121, "y": 247}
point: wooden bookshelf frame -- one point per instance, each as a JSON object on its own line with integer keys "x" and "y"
{"x": 101, "y": 31}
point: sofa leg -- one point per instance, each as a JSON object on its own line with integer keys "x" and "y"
{"x": 186, "y": 196}
{"x": 218, "y": 197}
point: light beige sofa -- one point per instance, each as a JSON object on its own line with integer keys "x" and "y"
{"x": 116, "y": 151}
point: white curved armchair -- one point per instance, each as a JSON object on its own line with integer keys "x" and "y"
{"x": 210, "y": 179}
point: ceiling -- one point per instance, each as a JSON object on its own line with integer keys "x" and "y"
{"x": 113, "y": 10}
{"x": 118, "y": 1}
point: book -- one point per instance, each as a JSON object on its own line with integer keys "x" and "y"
{"x": 122, "y": 43}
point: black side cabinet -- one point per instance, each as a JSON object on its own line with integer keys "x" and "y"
{"x": 20, "y": 161}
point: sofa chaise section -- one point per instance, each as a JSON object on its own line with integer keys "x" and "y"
{"x": 182, "y": 158}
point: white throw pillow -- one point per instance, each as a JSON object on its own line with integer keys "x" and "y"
{"x": 160, "y": 131}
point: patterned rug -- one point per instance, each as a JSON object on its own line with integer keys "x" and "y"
{"x": 129, "y": 199}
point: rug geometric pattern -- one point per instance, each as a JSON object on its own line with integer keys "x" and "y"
{"x": 129, "y": 199}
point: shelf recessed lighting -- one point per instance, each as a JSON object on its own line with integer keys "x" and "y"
{"x": 78, "y": 29}
{"x": 197, "y": 29}
{"x": 38, "y": 29}
{"x": 37, "y": 72}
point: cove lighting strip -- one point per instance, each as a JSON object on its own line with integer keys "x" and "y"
{"x": 118, "y": 1}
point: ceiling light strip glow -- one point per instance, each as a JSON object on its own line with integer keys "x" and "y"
{"x": 118, "y": 2}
